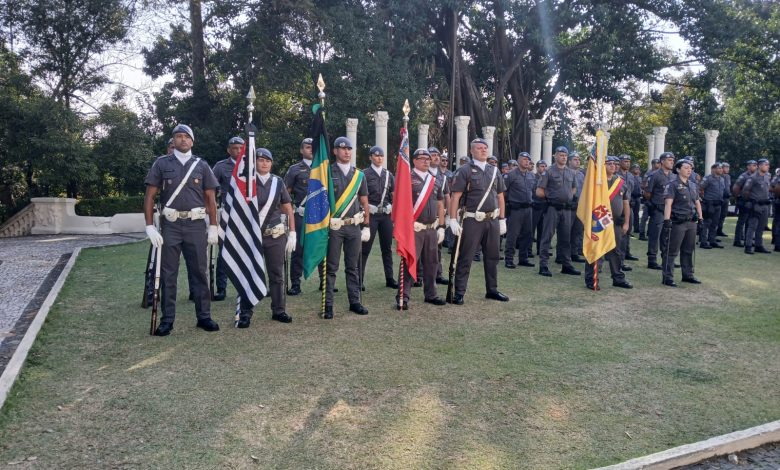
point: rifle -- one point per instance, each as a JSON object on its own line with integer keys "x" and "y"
{"x": 156, "y": 297}
{"x": 212, "y": 279}
{"x": 456, "y": 253}
{"x": 149, "y": 277}
{"x": 286, "y": 260}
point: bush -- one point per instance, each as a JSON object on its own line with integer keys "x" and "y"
{"x": 109, "y": 206}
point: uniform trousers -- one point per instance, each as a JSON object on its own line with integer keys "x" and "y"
{"x": 296, "y": 260}
{"x": 635, "y": 204}
{"x": 647, "y": 209}
{"x": 742, "y": 216}
{"x": 577, "y": 231}
{"x": 654, "y": 225}
{"x": 625, "y": 240}
{"x": 383, "y": 225}
{"x": 184, "y": 237}
{"x": 519, "y": 232}
{"x": 348, "y": 239}
{"x": 757, "y": 220}
{"x": 776, "y": 227}
{"x": 614, "y": 257}
{"x": 556, "y": 221}
{"x": 709, "y": 229}
{"x": 475, "y": 234}
{"x": 539, "y": 208}
{"x": 273, "y": 252}
{"x": 682, "y": 241}
{"x": 221, "y": 274}
{"x": 724, "y": 211}
{"x": 426, "y": 249}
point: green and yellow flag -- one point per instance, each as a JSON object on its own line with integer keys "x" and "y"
{"x": 594, "y": 210}
{"x": 317, "y": 213}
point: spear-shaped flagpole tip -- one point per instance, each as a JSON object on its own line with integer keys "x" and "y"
{"x": 406, "y": 110}
{"x": 251, "y": 98}
{"x": 321, "y": 87}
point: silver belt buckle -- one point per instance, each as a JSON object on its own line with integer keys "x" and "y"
{"x": 479, "y": 216}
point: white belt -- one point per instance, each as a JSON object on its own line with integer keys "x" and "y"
{"x": 336, "y": 223}
{"x": 372, "y": 209}
{"x": 274, "y": 232}
{"x": 172, "y": 215}
{"x": 418, "y": 227}
{"x": 479, "y": 216}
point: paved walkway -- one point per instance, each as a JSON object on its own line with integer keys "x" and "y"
{"x": 766, "y": 457}
{"x": 29, "y": 267}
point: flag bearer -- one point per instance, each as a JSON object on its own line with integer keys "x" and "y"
{"x": 380, "y": 183}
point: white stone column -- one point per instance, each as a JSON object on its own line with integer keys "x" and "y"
{"x": 547, "y": 138}
{"x": 462, "y": 140}
{"x": 660, "y": 138}
{"x": 380, "y": 132}
{"x": 422, "y": 136}
{"x": 536, "y": 139}
{"x": 650, "y": 151}
{"x": 487, "y": 134}
{"x": 352, "y": 125}
{"x": 711, "y": 142}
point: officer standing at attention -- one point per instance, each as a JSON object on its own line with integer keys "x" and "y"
{"x": 223, "y": 171}
{"x": 187, "y": 185}
{"x": 539, "y": 205}
{"x": 647, "y": 205}
{"x": 636, "y": 196}
{"x": 443, "y": 182}
{"x": 682, "y": 210}
{"x": 743, "y": 212}
{"x": 428, "y": 198}
{"x": 380, "y": 184}
{"x": 621, "y": 211}
{"x": 273, "y": 200}
{"x": 350, "y": 214}
{"x": 297, "y": 182}
{"x": 577, "y": 230}
{"x": 755, "y": 193}
{"x": 654, "y": 194}
{"x": 776, "y": 217}
{"x": 482, "y": 187}
{"x": 519, "y": 195}
{"x": 712, "y": 189}
{"x": 624, "y": 171}
{"x": 558, "y": 187}
{"x": 724, "y": 208}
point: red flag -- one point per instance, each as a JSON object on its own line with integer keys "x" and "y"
{"x": 402, "y": 215}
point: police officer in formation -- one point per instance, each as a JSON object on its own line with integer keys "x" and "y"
{"x": 223, "y": 171}
{"x": 273, "y": 201}
{"x": 655, "y": 195}
{"x": 349, "y": 227}
{"x": 724, "y": 208}
{"x": 539, "y": 206}
{"x": 297, "y": 182}
{"x": 742, "y": 211}
{"x": 577, "y": 230}
{"x": 712, "y": 188}
{"x": 482, "y": 188}
{"x": 621, "y": 212}
{"x": 187, "y": 187}
{"x": 755, "y": 193}
{"x": 380, "y": 183}
{"x": 630, "y": 181}
{"x": 443, "y": 180}
{"x": 558, "y": 187}
{"x": 776, "y": 208}
{"x": 519, "y": 184}
{"x": 428, "y": 197}
{"x": 681, "y": 212}
{"x": 636, "y": 196}
{"x": 647, "y": 205}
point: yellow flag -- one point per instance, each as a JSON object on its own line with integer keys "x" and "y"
{"x": 594, "y": 210}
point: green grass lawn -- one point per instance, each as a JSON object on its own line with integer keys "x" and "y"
{"x": 559, "y": 377}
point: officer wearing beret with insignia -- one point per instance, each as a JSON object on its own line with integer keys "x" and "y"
{"x": 443, "y": 181}
{"x": 621, "y": 211}
{"x": 428, "y": 203}
{"x": 655, "y": 194}
{"x": 349, "y": 224}
{"x": 558, "y": 187}
{"x": 742, "y": 211}
{"x": 647, "y": 205}
{"x": 380, "y": 183}
{"x": 724, "y": 208}
{"x": 223, "y": 171}
{"x": 636, "y": 196}
{"x": 539, "y": 205}
{"x": 712, "y": 188}
{"x": 187, "y": 187}
{"x": 273, "y": 200}
{"x": 755, "y": 192}
{"x": 682, "y": 211}
{"x": 624, "y": 171}
{"x": 482, "y": 187}
{"x": 519, "y": 184}
{"x": 297, "y": 182}
{"x": 577, "y": 230}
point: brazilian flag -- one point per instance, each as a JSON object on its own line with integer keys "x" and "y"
{"x": 316, "y": 215}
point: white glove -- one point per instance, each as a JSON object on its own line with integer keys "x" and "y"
{"x": 213, "y": 237}
{"x": 388, "y": 208}
{"x": 292, "y": 240}
{"x": 454, "y": 226}
{"x": 501, "y": 226}
{"x": 154, "y": 236}
{"x": 439, "y": 235}
{"x": 365, "y": 234}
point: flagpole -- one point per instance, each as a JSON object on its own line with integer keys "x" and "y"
{"x": 401, "y": 280}
{"x": 324, "y": 280}
{"x": 250, "y": 158}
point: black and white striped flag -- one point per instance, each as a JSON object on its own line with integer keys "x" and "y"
{"x": 242, "y": 248}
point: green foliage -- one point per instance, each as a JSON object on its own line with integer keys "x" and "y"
{"x": 109, "y": 206}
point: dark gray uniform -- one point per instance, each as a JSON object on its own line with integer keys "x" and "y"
{"x": 636, "y": 200}
{"x": 713, "y": 187}
{"x": 444, "y": 181}
{"x": 273, "y": 248}
{"x": 776, "y": 216}
{"x": 297, "y": 179}
{"x": 755, "y": 192}
{"x": 519, "y": 225}
{"x": 380, "y": 221}
{"x": 539, "y": 206}
{"x": 646, "y": 205}
{"x": 682, "y": 237}
{"x": 559, "y": 186}
{"x": 223, "y": 171}
{"x": 577, "y": 230}
{"x": 724, "y": 208}
{"x": 628, "y": 183}
{"x": 614, "y": 257}
{"x": 347, "y": 237}
{"x": 742, "y": 211}
{"x": 184, "y": 236}
{"x": 656, "y": 186}
{"x": 426, "y": 245}
{"x": 473, "y": 182}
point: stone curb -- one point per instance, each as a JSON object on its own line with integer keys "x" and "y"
{"x": 698, "y": 451}
{"x": 14, "y": 366}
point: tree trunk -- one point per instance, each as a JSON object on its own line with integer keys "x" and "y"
{"x": 200, "y": 93}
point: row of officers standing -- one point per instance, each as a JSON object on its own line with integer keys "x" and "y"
{"x": 475, "y": 205}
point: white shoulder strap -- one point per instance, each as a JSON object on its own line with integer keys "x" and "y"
{"x": 183, "y": 182}
{"x": 271, "y": 197}
{"x": 487, "y": 190}
{"x": 384, "y": 193}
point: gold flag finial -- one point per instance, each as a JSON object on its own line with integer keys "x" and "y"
{"x": 406, "y": 110}
{"x": 321, "y": 87}
{"x": 251, "y": 98}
